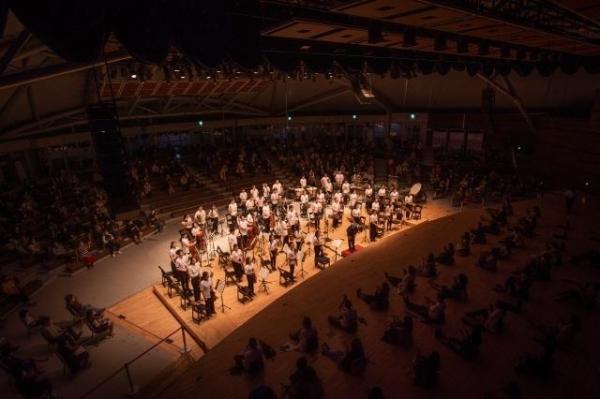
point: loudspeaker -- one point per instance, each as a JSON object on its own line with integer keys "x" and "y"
{"x": 110, "y": 157}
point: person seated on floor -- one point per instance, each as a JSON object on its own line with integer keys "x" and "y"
{"x": 305, "y": 340}
{"x": 347, "y": 320}
{"x": 304, "y": 382}
{"x": 379, "y": 300}
{"x": 99, "y": 324}
{"x": 446, "y": 257}
{"x": 458, "y": 289}
{"x": 29, "y": 321}
{"x": 428, "y": 268}
{"x": 479, "y": 234}
{"x": 426, "y": 369}
{"x": 584, "y": 294}
{"x": 77, "y": 308}
{"x": 464, "y": 246}
{"x": 431, "y": 312}
{"x": 406, "y": 283}
{"x": 74, "y": 354}
{"x": 562, "y": 335}
{"x": 487, "y": 261}
{"x": 502, "y": 252}
{"x": 352, "y": 360}
{"x": 399, "y": 332}
{"x": 492, "y": 318}
{"x": 250, "y": 360}
{"x": 467, "y": 346}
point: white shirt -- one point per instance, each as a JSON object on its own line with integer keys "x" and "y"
{"x": 373, "y": 218}
{"x": 200, "y": 216}
{"x": 353, "y": 198}
{"x": 243, "y": 226}
{"x": 368, "y": 191}
{"x": 375, "y": 206}
{"x": 254, "y": 192}
{"x": 243, "y": 196}
{"x": 249, "y": 268}
{"x": 205, "y": 286}
{"x": 394, "y": 196}
{"x": 274, "y": 198}
{"x": 193, "y": 270}
{"x": 303, "y": 182}
{"x": 237, "y": 256}
{"x": 346, "y": 187}
{"x": 231, "y": 240}
{"x": 304, "y": 198}
{"x": 408, "y": 199}
{"x": 355, "y": 212}
{"x": 249, "y": 203}
{"x": 381, "y": 192}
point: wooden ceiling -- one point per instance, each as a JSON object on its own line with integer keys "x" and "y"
{"x": 419, "y": 14}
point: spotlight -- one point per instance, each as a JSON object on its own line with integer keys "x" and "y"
{"x": 413, "y": 116}
{"x": 354, "y": 116}
{"x": 133, "y": 76}
{"x": 289, "y": 118}
{"x": 587, "y": 183}
{"x": 200, "y": 123}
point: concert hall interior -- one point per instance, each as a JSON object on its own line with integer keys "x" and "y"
{"x": 300, "y": 199}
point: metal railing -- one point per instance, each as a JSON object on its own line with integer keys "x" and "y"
{"x": 133, "y": 389}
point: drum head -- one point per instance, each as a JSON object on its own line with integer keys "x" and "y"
{"x": 415, "y": 189}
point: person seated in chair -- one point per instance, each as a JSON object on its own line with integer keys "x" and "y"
{"x": 250, "y": 360}
{"x": 74, "y": 354}
{"x": 304, "y": 382}
{"x": 458, "y": 289}
{"x": 447, "y": 255}
{"x": 492, "y": 318}
{"x": 306, "y": 339}
{"x": 428, "y": 268}
{"x": 352, "y": 360}
{"x": 562, "y": 335}
{"x": 99, "y": 323}
{"x": 584, "y": 294}
{"x": 406, "y": 283}
{"x": 29, "y": 321}
{"x": 467, "y": 345}
{"x": 487, "y": 261}
{"x": 432, "y": 312}
{"x": 379, "y": 300}
{"x": 77, "y": 308}
{"x": 479, "y": 234}
{"x": 347, "y": 320}
{"x": 502, "y": 252}
{"x": 464, "y": 246}
{"x": 536, "y": 365}
{"x": 399, "y": 332}
{"x": 426, "y": 369}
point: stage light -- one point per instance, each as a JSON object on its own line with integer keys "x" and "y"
{"x": 354, "y": 116}
{"x": 519, "y": 148}
{"x": 413, "y": 116}
{"x": 289, "y": 118}
{"x": 200, "y": 123}
{"x": 133, "y": 76}
{"x": 587, "y": 183}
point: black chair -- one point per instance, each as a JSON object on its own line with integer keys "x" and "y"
{"x": 165, "y": 276}
{"x": 243, "y": 293}
{"x": 323, "y": 262}
{"x": 199, "y": 312}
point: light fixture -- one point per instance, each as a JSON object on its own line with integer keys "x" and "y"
{"x": 200, "y": 123}
{"x": 354, "y": 116}
{"x": 133, "y": 76}
{"x": 413, "y": 116}
{"x": 289, "y": 118}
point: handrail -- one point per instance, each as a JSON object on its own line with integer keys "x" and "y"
{"x": 126, "y": 365}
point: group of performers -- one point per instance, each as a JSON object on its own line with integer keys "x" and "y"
{"x": 269, "y": 220}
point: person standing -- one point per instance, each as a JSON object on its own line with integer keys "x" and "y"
{"x": 207, "y": 292}
{"x": 351, "y": 231}
{"x": 250, "y": 275}
{"x": 237, "y": 258}
{"x": 274, "y": 250}
{"x": 194, "y": 275}
{"x": 181, "y": 265}
{"x": 373, "y": 219}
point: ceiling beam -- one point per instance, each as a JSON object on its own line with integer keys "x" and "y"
{"x": 316, "y": 99}
{"x": 12, "y": 99}
{"x": 52, "y": 71}
{"x": 13, "y": 50}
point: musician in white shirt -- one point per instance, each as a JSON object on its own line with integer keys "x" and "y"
{"x": 373, "y": 220}
{"x": 275, "y": 198}
{"x": 254, "y": 192}
{"x": 303, "y": 182}
{"x": 394, "y": 196}
{"x": 346, "y": 190}
{"x": 375, "y": 206}
{"x": 353, "y": 199}
{"x": 249, "y": 205}
{"x": 232, "y": 208}
{"x": 381, "y": 192}
{"x": 266, "y": 217}
{"x": 339, "y": 178}
{"x": 237, "y": 258}
{"x": 200, "y": 216}
{"x": 356, "y": 214}
{"x": 243, "y": 196}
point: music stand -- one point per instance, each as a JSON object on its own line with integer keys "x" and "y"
{"x": 301, "y": 256}
{"x": 264, "y": 274}
{"x": 220, "y": 287}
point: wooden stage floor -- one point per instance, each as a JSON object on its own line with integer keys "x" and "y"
{"x": 152, "y": 312}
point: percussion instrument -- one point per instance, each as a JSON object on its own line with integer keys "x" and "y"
{"x": 415, "y": 189}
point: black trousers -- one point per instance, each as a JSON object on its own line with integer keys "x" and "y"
{"x": 273, "y": 260}
{"x": 184, "y": 280}
{"x": 351, "y": 239}
{"x": 239, "y": 270}
{"x": 373, "y": 231}
{"x": 196, "y": 287}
